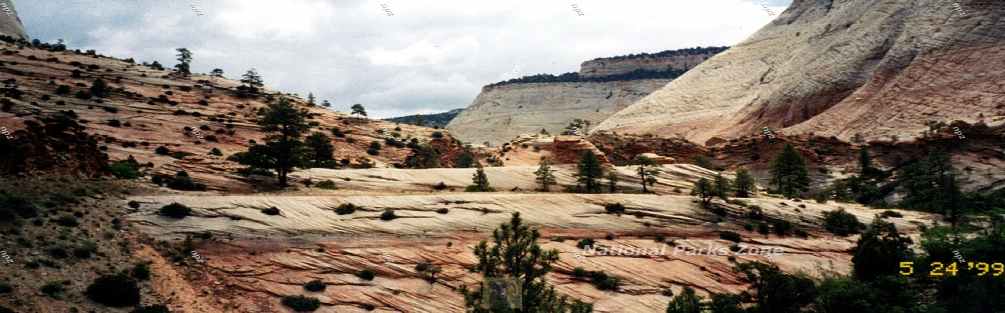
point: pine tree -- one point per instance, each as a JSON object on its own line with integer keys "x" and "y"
{"x": 251, "y": 83}
{"x": 515, "y": 256}
{"x": 612, "y": 182}
{"x": 879, "y": 250}
{"x": 686, "y": 302}
{"x": 184, "y": 62}
{"x": 99, "y": 88}
{"x": 358, "y": 109}
{"x": 789, "y": 173}
{"x": 479, "y": 181}
{"x": 647, "y": 171}
{"x": 722, "y": 186}
{"x": 326, "y": 104}
{"x": 218, "y": 73}
{"x": 545, "y": 175}
{"x": 589, "y": 172}
{"x": 704, "y": 190}
{"x": 321, "y": 149}
{"x": 864, "y": 162}
{"x": 744, "y": 185}
{"x": 310, "y": 99}
{"x": 283, "y": 149}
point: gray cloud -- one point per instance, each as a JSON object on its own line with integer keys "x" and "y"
{"x": 429, "y": 56}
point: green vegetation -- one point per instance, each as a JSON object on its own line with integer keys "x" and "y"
{"x": 366, "y": 274}
{"x": 544, "y": 175}
{"x": 479, "y": 181}
{"x": 842, "y": 223}
{"x": 744, "y": 185}
{"x": 283, "y": 149}
{"x": 358, "y": 109}
{"x": 789, "y": 174}
{"x": 704, "y": 190}
{"x": 114, "y": 291}
{"x": 301, "y": 303}
{"x": 315, "y": 286}
{"x": 647, "y": 171}
{"x": 588, "y": 173}
{"x": 175, "y": 210}
{"x": 345, "y": 209}
{"x": 184, "y": 65}
{"x": 515, "y": 255}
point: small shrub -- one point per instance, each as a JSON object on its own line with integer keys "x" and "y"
{"x": 731, "y": 236}
{"x": 614, "y": 208}
{"x": 388, "y": 215}
{"x": 85, "y": 250}
{"x": 366, "y": 274}
{"x": 162, "y": 150}
{"x": 889, "y": 213}
{"x": 134, "y": 204}
{"x": 763, "y": 228}
{"x": 587, "y": 242}
{"x": 53, "y": 289}
{"x": 443, "y": 210}
{"x": 141, "y": 271}
{"x": 842, "y": 223}
{"x": 315, "y": 286}
{"x": 781, "y": 227}
{"x": 67, "y": 221}
{"x": 114, "y": 291}
{"x": 175, "y": 210}
{"x": 271, "y": 211}
{"x": 327, "y": 184}
{"x": 301, "y": 303}
{"x": 437, "y": 135}
{"x": 602, "y": 281}
{"x": 440, "y": 186}
{"x": 346, "y": 208}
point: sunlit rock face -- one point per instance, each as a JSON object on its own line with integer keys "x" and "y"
{"x": 881, "y": 69}
{"x": 10, "y": 24}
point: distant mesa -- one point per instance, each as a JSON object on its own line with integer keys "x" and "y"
{"x": 548, "y": 103}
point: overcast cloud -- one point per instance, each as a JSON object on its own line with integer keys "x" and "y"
{"x": 396, "y": 57}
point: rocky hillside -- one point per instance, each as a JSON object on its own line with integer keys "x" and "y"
{"x": 508, "y": 109}
{"x": 170, "y": 123}
{"x": 852, "y": 69}
{"x": 436, "y": 120}
{"x": 10, "y": 23}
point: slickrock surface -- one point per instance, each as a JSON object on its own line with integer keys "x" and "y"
{"x": 502, "y": 113}
{"x": 882, "y": 69}
{"x": 257, "y": 258}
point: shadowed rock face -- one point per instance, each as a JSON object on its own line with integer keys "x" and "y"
{"x": 10, "y": 23}
{"x": 846, "y": 67}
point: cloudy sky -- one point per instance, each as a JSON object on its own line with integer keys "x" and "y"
{"x": 396, "y": 57}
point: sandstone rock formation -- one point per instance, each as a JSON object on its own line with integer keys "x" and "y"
{"x": 504, "y": 111}
{"x": 10, "y": 23}
{"x": 877, "y": 69}
{"x": 672, "y": 59}
{"x": 148, "y": 108}
{"x": 255, "y": 258}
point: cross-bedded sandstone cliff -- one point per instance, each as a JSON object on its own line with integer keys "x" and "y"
{"x": 882, "y": 69}
{"x": 10, "y": 23}
{"x": 602, "y": 87}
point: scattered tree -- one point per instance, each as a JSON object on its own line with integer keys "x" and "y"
{"x": 744, "y": 185}
{"x": 789, "y": 172}
{"x": 722, "y": 186}
{"x": 545, "y": 175}
{"x": 879, "y": 251}
{"x": 705, "y": 191}
{"x": 358, "y": 109}
{"x": 218, "y": 73}
{"x": 326, "y": 104}
{"x": 647, "y": 171}
{"x": 283, "y": 149}
{"x": 686, "y": 302}
{"x": 479, "y": 181}
{"x": 251, "y": 83}
{"x": 612, "y": 182}
{"x": 310, "y": 99}
{"x": 184, "y": 62}
{"x": 589, "y": 172}
{"x": 321, "y": 150}
{"x": 99, "y": 88}
{"x": 515, "y": 255}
